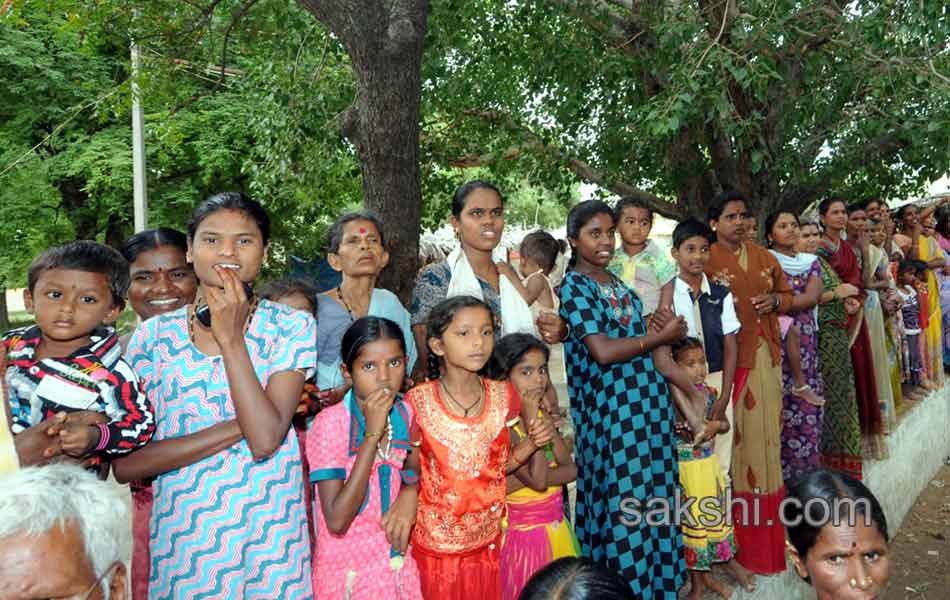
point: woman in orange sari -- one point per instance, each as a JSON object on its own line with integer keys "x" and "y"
{"x": 761, "y": 292}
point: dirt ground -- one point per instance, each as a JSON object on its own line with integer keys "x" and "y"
{"x": 920, "y": 550}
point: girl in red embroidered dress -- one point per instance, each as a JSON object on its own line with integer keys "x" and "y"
{"x": 461, "y": 426}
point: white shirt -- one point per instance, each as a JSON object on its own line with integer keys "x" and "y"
{"x": 683, "y": 306}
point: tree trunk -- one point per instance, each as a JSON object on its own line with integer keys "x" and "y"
{"x": 387, "y": 141}
{"x": 384, "y": 43}
{"x": 4, "y": 312}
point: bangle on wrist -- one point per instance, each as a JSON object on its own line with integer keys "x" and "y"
{"x": 103, "y": 437}
{"x": 567, "y": 334}
{"x": 370, "y": 434}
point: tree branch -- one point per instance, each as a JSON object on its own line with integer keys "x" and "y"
{"x": 579, "y": 167}
{"x": 235, "y": 18}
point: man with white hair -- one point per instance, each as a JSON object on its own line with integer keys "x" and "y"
{"x": 62, "y": 535}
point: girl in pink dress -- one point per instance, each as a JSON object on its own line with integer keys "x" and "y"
{"x": 357, "y": 450}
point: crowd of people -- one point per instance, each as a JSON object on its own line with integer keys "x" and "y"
{"x": 283, "y": 443}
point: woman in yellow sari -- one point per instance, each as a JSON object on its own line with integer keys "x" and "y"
{"x": 930, "y": 253}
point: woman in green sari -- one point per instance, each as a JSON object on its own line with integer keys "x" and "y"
{"x": 841, "y": 429}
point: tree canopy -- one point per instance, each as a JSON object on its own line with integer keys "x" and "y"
{"x": 674, "y": 101}
{"x": 667, "y": 100}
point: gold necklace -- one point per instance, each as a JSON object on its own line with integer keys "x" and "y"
{"x": 247, "y": 321}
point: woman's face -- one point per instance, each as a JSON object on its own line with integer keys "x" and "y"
{"x": 482, "y": 220}
{"x": 874, "y": 210}
{"x": 162, "y": 281}
{"x": 785, "y": 232}
{"x": 227, "y": 239}
{"x": 808, "y": 239}
{"x": 595, "y": 241}
{"x": 361, "y": 251}
{"x": 909, "y": 217}
{"x": 847, "y": 562}
{"x": 857, "y": 223}
{"x": 731, "y": 225}
{"x": 836, "y": 217}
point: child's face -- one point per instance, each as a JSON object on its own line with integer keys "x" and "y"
{"x": 635, "y": 225}
{"x": 68, "y": 304}
{"x": 227, "y": 239}
{"x": 692, "y": 255}
{"x": 162, "y": 281}
{"x": 907, "y": 278}
{"x": 693, "y": 362}
{"x": 361, "y": 251}
{"x": 876, "y": 231}
{"x": 595, "y": 241}
{"x": 380, "y": 364}
{"x": 468, "y": 341}
{"x": 751, "y": 228}
{"x": 852, "y": 305}
{"x": 297, "y": 300}
{"x": 527, "y": 266}
{"x": 530, "y": 374}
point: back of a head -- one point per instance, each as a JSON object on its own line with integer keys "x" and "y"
{"x": 573, "y": 578}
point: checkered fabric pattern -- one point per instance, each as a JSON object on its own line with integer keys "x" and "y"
{"x": 625, "y": 443}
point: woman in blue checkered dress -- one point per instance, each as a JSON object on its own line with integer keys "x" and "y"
{"x": 623, "y": 413}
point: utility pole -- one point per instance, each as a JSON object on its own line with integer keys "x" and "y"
{"x": 139, "y": 177}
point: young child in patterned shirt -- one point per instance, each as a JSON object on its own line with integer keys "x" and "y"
{"x": 69, "y": 361}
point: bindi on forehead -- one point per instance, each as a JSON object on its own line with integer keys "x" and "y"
{"x": 362, "y": 230}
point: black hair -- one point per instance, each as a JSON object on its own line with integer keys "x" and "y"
{"x": 541, "y": 247}
{"x": 509, "y": 350}
{"x": 772, "y": 218}
{"x": 687, "y": 343}
{"x": 366, "y": 331}
{"x": 461, "y": 194}
{"x": 630, "y": 202}
{"x": 691, "y": 228}
{"x": 335, "y": 235}
{"x": 579, "y": 216}
{"x": 576, "y": 578}
{"x": 152, "y": 239}
{"x": 908, "y": 265}
{"x": 281, "y": 288}
{"x": 87, "y": 256}
{"x": 825, "y": 205}
{"x": 439, "y": 319}
{"x": 720, "y": 202}
{"x": 231, "y": 201}
{"x": 922, "y": 269}
{"x": 856, "y": 206}
{"x": 815, "y": 496}
{"x": 943, "y": 224}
